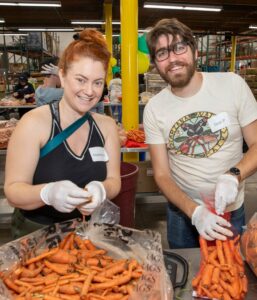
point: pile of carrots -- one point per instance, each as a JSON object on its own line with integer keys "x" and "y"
{"x": 136, "y": 135}
{"x": 221, "y": 275}
{"x": 249, "y": 243}
{"x": 75, "y": 270}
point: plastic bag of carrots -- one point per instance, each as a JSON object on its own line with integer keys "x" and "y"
{"x": 221, "y": 275}
{"x": 249, "y": 243}
{"x": 136, "y": 135}
{"x": 68, "y": 262}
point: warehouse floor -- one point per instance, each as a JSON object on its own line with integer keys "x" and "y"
{"x": 151, "y": 212}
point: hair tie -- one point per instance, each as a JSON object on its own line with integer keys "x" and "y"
{"x": 76, "y": 36}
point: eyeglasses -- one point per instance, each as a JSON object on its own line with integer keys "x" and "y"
{"x": 178, "y": 48}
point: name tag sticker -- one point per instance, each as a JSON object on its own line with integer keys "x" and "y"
{"x": 219, "y": 121}
{"x": 98, "y": 154}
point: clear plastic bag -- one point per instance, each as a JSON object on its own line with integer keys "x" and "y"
{"x": 249, "y": 243}
{"x": 120, "y": 242}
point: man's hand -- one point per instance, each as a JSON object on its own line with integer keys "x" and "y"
{"x": 226, "y": 192}
{"x": 97, "y": 190}
{"x": 209, "y": 225}
{"x": 64, "y": 195}
{"x": 50, "y": 69}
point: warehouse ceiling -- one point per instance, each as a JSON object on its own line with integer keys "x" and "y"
{"x": 235, "y": 17}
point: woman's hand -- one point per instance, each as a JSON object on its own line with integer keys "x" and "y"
{"x": 64, "y": 195}
{"x": 97, "y": 190}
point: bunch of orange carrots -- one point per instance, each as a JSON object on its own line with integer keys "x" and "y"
{"x": 136, "y": 135}
{"x": 75, "y": 270}
{"x": 221, "y": 275}
{"x": 249, "y": 243}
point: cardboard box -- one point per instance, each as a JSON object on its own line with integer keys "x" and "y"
{"x": 145, "y": 180}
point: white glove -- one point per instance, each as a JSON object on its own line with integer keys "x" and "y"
{"x": 64, "y": 195}
{"x": 209, "y": 225}
{"x": 97, "y": 190}
{"x": 50, "y": 69}
{"x": 226, "y": 192}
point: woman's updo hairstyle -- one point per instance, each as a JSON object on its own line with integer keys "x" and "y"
{"x": 88, "y": 43}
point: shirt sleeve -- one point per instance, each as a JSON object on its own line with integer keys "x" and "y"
{"x": 246, "y": 103}
{"x": 152, "y": 130}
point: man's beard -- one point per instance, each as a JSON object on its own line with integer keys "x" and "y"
{"x": 178, "y": 80}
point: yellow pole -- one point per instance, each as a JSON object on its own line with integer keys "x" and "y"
{"x": 129, "y": 75}
{"x": 233, "y": 55}
{"x": 108, "y": 33}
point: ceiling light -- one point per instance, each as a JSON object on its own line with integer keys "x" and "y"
{"x": 253, "y": 27}
{"x": 46, "y": 29}
{"x": 87, "y": 22}
{"x": 14, "y": 34}
{"x": 77, "y": 22}
{"x": 32, "y": 3}
{"x": 143, "y": 30}
{"x": 2, "y": 20}
{"x": 183, "y": 6}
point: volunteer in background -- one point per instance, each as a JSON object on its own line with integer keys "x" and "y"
{"x": 195, "y": 129}
{"x": 24, "y": 89}
{"x": 115, "y": 94}
{"x": 48, "y": 187}
{"x": 51, "y": 89}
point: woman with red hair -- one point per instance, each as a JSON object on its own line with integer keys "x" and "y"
{"x": 63, "y": 160}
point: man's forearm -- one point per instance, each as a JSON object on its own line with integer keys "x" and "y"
{"x": 175, "y": 195}
{"x": 248, "y": 164}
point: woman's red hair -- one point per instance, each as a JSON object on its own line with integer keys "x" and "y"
{"x": 89, "y": 43}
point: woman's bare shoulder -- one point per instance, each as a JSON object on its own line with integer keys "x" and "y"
{"x": 105, "y": 123}
{"x": 36, "y": 119}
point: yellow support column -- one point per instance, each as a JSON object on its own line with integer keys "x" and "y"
{"x": 129, "y": 75}
{"x": 233, "y": 55}
{"x": 108, "y": 33}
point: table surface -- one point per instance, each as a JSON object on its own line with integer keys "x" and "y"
{"x": 193, "y": 258}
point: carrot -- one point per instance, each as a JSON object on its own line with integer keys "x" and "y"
{"x": 65, "y": 243}
{"x": 61, "y": 269}
{"x": 71, "y": 288}
{"x": 92, "y": 262}
{"x": 204, "y": 248}
{"x": 207, "y": 275}
{"x": 117, "y": 267}
{"x": 207, "y": 293}
{"x": 12, "y": 285}
{"x": 111, "y": 283}
{"x": 62, "y": 257}
{"x": 215, "y": 276}
{"x": 69, "y": 297}
{"x": 86, "y": 284}
{"x": 220, "y": 252}
{"x": 89, "y": 245}
{"x": 41, "y": 256}
{"x": 226, "y": 296}
{"x": 244, "y": 282}
{"x": 31, "y": 273}
{"x": 227, "y": 253}
{"x": 48, "y": 297}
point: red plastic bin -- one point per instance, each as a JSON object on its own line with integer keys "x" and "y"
{"x": 126, "y": 198}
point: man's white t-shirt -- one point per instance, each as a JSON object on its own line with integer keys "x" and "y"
{"x": 202, "y": 133}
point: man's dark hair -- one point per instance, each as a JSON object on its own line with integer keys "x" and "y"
{"x": 169, "y": 27}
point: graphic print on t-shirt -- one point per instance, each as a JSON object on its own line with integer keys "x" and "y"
{"x": 192, "y": 136}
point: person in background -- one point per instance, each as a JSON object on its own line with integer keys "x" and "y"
{"x": 48, "y": 185}
{"x": 115, "y": 94}
{"x": 195, "y": 129}
{"x": 24, "y": 89}
{"x": 51, "y": 89}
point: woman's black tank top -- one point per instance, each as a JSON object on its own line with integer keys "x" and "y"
{"x": 63, "y": 164}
